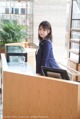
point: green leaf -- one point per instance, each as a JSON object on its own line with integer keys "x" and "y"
{"x": 11, "y": 31}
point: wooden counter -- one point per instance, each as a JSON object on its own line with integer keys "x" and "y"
{"x": 37, "y": 97}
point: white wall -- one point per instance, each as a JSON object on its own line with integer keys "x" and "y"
{"x": 55, "y": 12}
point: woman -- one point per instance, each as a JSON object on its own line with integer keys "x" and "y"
{"x": 45, "y": 56}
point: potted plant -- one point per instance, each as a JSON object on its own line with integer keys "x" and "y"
{"x": 11, "y": 31}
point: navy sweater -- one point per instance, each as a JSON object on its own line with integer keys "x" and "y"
{"x": 45, "y": 56}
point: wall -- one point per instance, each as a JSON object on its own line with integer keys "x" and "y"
{"x": 55, "y": 12}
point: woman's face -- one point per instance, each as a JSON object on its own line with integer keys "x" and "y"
{"x": 43, "y": 32}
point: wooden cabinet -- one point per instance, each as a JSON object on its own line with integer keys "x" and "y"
{"x": 74, "y": 36}
{"x": 74, "y": 66}
{"x": 74, "y": 51}
{"x": 31, "y": 57}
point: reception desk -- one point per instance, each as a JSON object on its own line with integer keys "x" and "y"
{"x": 29, "y": 96}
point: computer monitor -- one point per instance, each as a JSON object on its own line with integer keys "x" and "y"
{"x": 55, "y": 73}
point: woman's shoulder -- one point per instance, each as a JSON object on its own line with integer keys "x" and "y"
{"x": 48, "y": 42}
{"x": 45, "y": 42}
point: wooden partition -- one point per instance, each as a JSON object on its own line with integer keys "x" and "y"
{"x": 38, "y": 97}
{"x": 23, "y": 44}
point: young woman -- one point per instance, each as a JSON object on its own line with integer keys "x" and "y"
{"x": 45, "y": 56}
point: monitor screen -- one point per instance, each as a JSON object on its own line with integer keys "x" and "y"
{"x": 55, "y": 73}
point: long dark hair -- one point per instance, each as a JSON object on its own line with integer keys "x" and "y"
{"x": 45, "y": 25}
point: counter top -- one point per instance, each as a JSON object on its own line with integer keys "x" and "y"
{"x": 21, "y": 68}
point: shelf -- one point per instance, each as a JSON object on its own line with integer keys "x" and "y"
{"x": 75, "y": 40}
{"x": 74, "y": 60}
{"x": 74, "y": 36}
{"x": 75, "y": 51}
{"x": 75, "y": 29}
{"x": 76, "y": 19}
